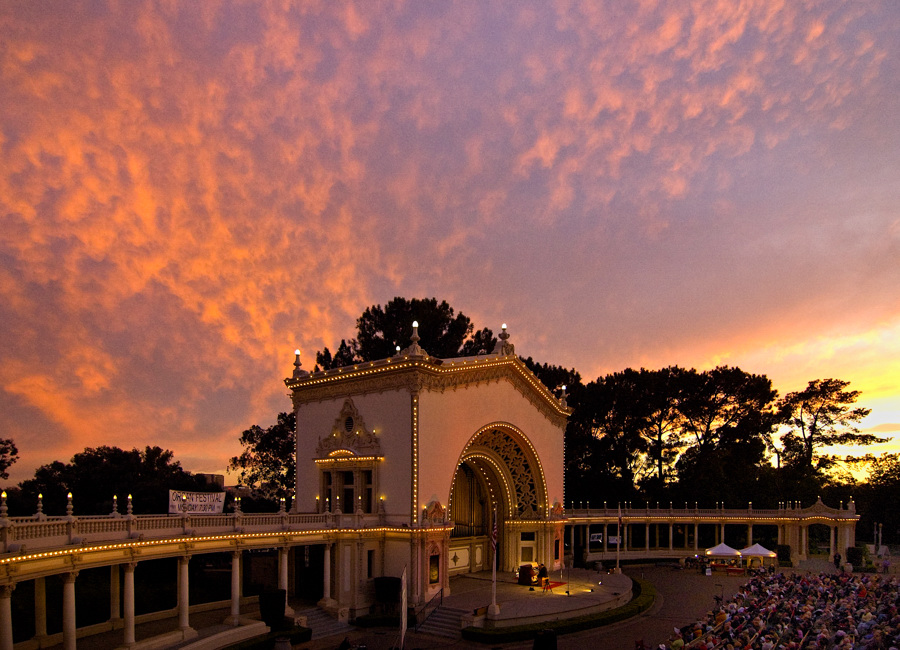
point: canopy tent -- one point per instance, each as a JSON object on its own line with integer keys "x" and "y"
{"x": 759, "y": 551}
{"x": 722, "y": 550}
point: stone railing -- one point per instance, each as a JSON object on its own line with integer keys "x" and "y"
{"x": 785, "y": 510}
{"x": 33, "y": 534}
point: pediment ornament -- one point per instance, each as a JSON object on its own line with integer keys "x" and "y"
{"x": 435, "y": 512}
{"x": 349, "y": 432}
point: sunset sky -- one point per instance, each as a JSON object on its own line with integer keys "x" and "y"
{"x": 191, "y": 190}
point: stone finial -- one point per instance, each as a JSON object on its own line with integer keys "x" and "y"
{"x": 298, "y": 372}
{"x": 3, "y": 507}
{"x": 503, "y": 346}
{"x": 70, "y": 509}
{"x": 128, "y": 507}
{"x": 414, "y": 350}
{"x": 39, "y": 513}
{"x": 562, "y": 399}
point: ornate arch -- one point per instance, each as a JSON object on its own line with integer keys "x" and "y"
{"x": 504, "y": 451}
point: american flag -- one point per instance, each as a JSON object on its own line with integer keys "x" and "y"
{"x": 494, "y": 533}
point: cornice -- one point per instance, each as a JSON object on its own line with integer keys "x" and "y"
{"x": 417, "y": 374}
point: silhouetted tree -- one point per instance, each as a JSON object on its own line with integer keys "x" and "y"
{"x": 443, "y": 333}
{"x": 267, "y": 464}
{"x": 821, "y": 415}
{"x": 555, "y": 377}
{"x": 96, "y": 474}
{"x": 8, "y": 455}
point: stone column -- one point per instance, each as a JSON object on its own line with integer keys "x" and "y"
{"x": 326, "y": 579}
{"x": 40, "y": 608}
{"x": 831, "y": 541}
{"x": 749, "y": 534}
{"x": 184, "y": 604}
{"x": 671, "y": 536}
{"x": 6, "y": 622}
{"x": 69, "y": 626}
{"x": 722, "y": 533}
{"x": 647, "y": 536}
{"x": 696, "y": 536}
{"x": 128, "y": 602}
{"x": 115, "y": 610}
{"x": 283, "y": 557}
{"x": 235, "y": 617}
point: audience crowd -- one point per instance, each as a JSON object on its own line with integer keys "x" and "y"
{"x": 780, "y": 611}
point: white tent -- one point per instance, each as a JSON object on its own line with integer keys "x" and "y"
{"x": 722, "y": 550}
{"x": 756, "y": 551}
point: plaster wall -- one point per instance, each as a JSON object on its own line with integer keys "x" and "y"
{"x": 449, "y": 419}
{"x": 387, "y": 415}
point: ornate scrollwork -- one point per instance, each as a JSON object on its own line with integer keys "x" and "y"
{"x": 349, "y": 432}
{"x": 435, "y": 513}
{"x": 508, "y": 449}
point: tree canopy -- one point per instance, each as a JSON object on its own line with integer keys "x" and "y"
{"x": 8, "y": 455}
{"x": 380, "y": 330}
{"x": 95, "y": 475}
{"x": 267, "y": 463}
{"x": 821, "y": 415}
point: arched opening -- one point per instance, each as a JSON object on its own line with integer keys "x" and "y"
{"x": 498, "y": 472}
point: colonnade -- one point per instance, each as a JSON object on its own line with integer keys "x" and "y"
{"x": 678, "y": 531}
{"x": 122, "y": 600}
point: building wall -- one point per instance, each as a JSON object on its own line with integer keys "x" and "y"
{"x": 449, "y": 419}
{"x": 385, "y": 414}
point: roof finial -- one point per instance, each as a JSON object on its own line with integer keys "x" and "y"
{"x": 414, "y": 350}
{"x": 298, "y": 372}
{"x": 503, "y": 346}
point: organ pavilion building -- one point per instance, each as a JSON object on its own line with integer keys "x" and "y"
{"x": 411, "y": 456}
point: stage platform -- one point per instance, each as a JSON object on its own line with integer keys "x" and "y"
{"x": 577, "y": 592}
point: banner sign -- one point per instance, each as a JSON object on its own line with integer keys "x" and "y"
{"x": 195, "y": 502}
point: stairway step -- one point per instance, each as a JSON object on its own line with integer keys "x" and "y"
{"x": 321, "y": 624}
{"x": 444, "y": 621}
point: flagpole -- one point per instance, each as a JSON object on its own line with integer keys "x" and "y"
{"x": 494, "y": 609}
{"x": 619, "y": 539}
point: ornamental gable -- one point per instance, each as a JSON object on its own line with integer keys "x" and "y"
{"x": 349, "y": 433}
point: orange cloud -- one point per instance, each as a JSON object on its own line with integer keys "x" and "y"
{"x": 188, "y": 193}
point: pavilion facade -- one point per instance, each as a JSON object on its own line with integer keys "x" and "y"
{"x": 440, "y": 451}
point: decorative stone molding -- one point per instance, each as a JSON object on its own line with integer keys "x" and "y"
{"x": 429, "y": 375}
{"x": 349, "y": 433}
{"x": 435, "y": 513}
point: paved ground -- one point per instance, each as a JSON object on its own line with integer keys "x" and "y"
{"x": 683, "y": 596}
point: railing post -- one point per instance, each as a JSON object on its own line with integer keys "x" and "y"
{"x": 5, "y": 524}
{"x": 71, "y": 522}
